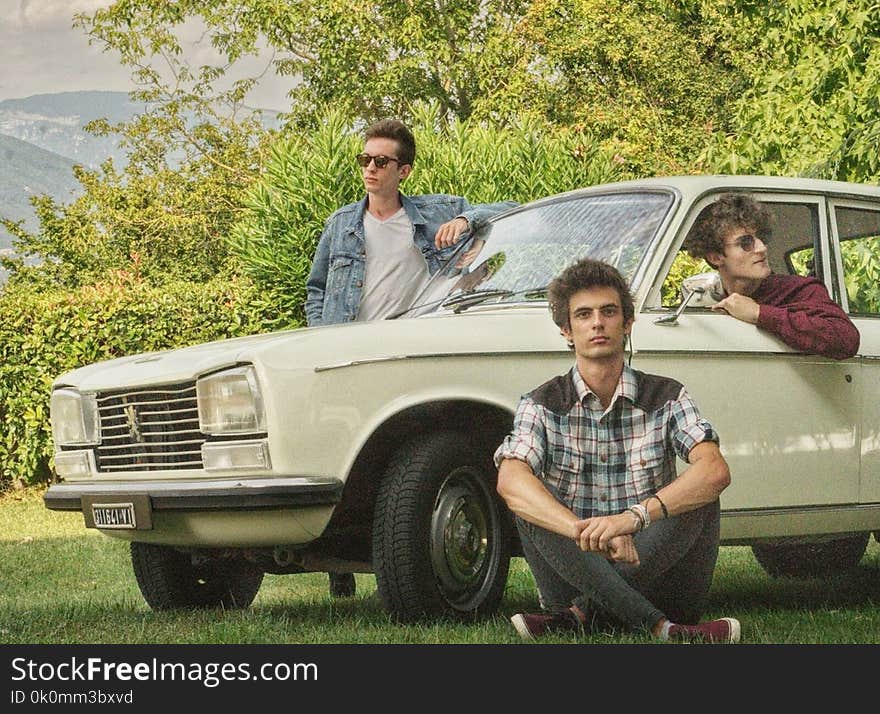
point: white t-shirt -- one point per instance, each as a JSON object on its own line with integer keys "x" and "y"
{"x": 396, "y": 271}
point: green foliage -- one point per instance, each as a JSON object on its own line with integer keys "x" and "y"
{"x": 682, "y": 267}
{"x": 861, "y": 268}
{"x": 163, "y": 223}
{"x": 308, "y": 176}
{"x": 371, "y": 57}
{"x": 650, "y": 79}
{"x": 811, "y": 107}
{"x": 43, "y": 334}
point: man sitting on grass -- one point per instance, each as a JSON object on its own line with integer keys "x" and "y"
{"x": 611, "y": 534}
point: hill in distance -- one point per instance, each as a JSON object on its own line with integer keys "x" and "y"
{"x": 43, "y": 136}
{"x": 55, "y": 122}
{"x": 27, "y": 170}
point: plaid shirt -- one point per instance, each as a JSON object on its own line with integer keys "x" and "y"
{"x": 601, "y": 461}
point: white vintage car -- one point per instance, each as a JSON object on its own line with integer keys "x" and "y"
{"x": 367, "y": 447}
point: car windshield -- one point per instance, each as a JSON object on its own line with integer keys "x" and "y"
{"x": 514, "y": 258}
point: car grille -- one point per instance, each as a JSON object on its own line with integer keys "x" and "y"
{"x": 150, "y": 429}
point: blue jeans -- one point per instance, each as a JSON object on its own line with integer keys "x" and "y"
{"x": 677, "y": 558}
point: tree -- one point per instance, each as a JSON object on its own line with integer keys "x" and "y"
{"x": 812, "y": 106}
{"x": 374, "y": 58}
{"x": 649, "y": 78}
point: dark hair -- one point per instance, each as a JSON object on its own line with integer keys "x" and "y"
{"x": 396, "y": 130}
{"x": 587, "y": 273}
{"x": 728, "y": 212}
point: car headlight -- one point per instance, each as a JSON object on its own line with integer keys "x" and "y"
{"x": 74, "y": 418}
{"x": 230, "y": 403}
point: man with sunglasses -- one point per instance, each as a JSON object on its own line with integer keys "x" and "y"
{"x": 375, "y": 256}
{"x": 732, "y": 236}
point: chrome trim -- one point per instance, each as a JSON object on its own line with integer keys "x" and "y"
{"x": 435, "y": 355}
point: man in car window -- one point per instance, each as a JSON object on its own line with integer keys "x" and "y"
{"x": 732, "y": 236}
{"x": 376, "y": 255}
{"x": 612, "y": 535}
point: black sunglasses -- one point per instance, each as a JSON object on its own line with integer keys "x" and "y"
{"x": 381, "y": 161}
{"x": 747, "y": 242}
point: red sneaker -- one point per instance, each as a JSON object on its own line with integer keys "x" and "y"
{"x": 723, "y": 631}
{"x": 532, "y": 626}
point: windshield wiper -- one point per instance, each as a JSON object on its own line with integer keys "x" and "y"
{"x": 462, "y": 301}
{"x": 534, "y": 293}
{"x": 465, "y": 300}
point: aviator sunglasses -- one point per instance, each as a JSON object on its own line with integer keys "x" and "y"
{"x": 381, "y": 161}
{"x": 747, "y": 242}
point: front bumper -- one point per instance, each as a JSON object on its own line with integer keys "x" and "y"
{"x": 202, "y": 495}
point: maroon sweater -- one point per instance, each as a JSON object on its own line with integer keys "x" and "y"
{"x": 800, "y": 312}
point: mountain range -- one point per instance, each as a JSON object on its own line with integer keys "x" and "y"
{"x": 42, "y": 137}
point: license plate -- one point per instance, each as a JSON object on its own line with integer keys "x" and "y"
{"x": 114, "y": 515}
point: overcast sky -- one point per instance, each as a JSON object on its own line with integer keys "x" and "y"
{"x": 41, "y": 53}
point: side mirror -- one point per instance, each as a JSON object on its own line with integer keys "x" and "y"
{"x": 673, "y": 318}
{"x": 702, "y": 284}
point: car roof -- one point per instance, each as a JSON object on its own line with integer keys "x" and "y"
{"x": 693, "y": 186}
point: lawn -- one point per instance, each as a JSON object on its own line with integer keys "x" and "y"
{"x": 63, "y": 584}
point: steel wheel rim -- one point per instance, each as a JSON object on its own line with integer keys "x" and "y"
{"x": 463, "y": 539}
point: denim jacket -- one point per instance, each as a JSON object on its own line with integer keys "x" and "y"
{"x": 336, "y": 281}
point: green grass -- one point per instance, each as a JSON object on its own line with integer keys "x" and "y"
{"x": 63, "y": 584}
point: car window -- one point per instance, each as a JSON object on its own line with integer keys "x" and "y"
{"x": 515, "y": 257}
{"x": 859, "y": 233}
{"x": 684, "y": 266}
{"x": 793, "y": 250}
{"x": 801, "y": 261}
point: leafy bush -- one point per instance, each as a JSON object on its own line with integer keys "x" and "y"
{"x": 45, "y": 334}
{"x": 861, "y": 268}
{"x": 810, "y": 105}
{"x": 307, "y": 177}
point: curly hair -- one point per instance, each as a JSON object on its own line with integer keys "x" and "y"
{"x": 586, "y": 273}
{"x": 729, "y": 212}
{"x": 397, "y": 131}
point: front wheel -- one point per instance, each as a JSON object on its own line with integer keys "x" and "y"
{"x": 169, "y": 578}
{"x": 441, "y": 535}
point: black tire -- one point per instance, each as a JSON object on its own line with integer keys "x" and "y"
{"x": 342, "y": 585}
{"x": 806, "y": 560}
{"x": 441, "y": 534}
{"x": 168, "y": 579}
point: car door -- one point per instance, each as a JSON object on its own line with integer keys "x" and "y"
{"x": 787, "y": 421}
{"x": 856, "y": 230}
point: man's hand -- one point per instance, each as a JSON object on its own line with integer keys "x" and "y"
{"x": 449, "y": 233}
{"x": 739, "y": 306}
{"x": 622, "y": 549}
{"x": 598, "y": 534}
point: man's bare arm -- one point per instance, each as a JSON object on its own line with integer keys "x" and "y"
{"x": 700, "y": 483}
{"x": 527, "y": 497}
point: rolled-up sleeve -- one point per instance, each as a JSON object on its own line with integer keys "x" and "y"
{"x": 687, "y": 427}
{"x": 528, "y": 439}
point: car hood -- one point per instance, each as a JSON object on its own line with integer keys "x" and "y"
{"x": 498, "y": 330}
